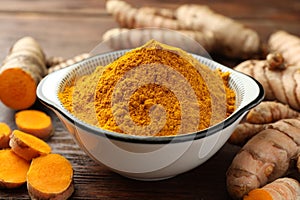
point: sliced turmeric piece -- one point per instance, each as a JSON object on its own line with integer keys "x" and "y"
{"x": 50, "y": 177}
{"x": 20, "y": 73}
{"x": 5, "y": 132}
{"x": 34, "y": 122}
{"x": 28, "y": 146}
{"x": 13, "y": 169}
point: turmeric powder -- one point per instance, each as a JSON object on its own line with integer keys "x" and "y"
{"x": 154, "y": 90}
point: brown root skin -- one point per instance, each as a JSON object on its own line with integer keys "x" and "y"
{"x": 130, "y": 17}
{"x": 280, "y": 85}
{"x": 190, "y": 41}
{"x": 54, "y": 60}
{"x": 270, "y": 111}
{"x": 298, "y": 163}
{"x": 287, "y": 44}
{"x": 50, "y": 177}
{"x": 34, "y": 122}
{"x": 20, "y": 74}
{"x": 5, "y": 132}
{"x": 244, "y": 132}
{"x": 60, "y": 64}
{"x": 242, "y": 42}
{"x": 13, "y": 169}
{"x": 28, "y": 146}
{"x": 264, "y": 158}
{"x": 280, "y": 189}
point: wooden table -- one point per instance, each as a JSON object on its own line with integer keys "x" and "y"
{"x": 70, "y": 27}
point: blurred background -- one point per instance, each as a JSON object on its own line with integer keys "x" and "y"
{"x": 69, "y": 27}
{"x": 66, "y": 28}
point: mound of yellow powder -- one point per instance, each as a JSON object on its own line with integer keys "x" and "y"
{"x": 155, "y": 90}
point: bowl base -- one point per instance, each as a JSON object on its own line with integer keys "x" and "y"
{"x": 147, "y": 179}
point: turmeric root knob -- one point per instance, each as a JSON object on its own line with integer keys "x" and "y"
{"x": 50, "y": 177}
{"x": 281, "y": 85}
{"x": 287, "y": 44}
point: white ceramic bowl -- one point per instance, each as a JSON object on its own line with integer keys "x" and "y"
{"x": 144, "y": 157}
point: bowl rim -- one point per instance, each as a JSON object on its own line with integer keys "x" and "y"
{"x": 149, "y": 139}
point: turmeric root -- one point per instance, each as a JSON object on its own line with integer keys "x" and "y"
{"x": 240, "y": 42}
{"x": 286, "y": 44}
{"x": 264, "y": 158}
{"x": 122, "y": 38}
{"x": 129, "y": 17}
{"x": 270, "y": 111}
{"x": 13, "y": 169}
{"x": 28, "y": 146}
{"x": 280, "y": 189}
{"x": 50, "y": 177}
{"x": 281, "y": 85}
{"x": 20, "y": 73}
{"x": 34, "y": 122}
{"x": 244, "y": 131}
{"x": 5, "y": 132}
{"x": 68, "y": 62}
{"x": 54, "y": 60}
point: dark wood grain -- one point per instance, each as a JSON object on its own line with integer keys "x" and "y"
{"x": 69, "y": 27}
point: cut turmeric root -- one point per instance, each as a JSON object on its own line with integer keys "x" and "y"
{"x": 34, "y": 122}
{"x": 50, "y": 177}
{"x": 20, "y": 73}
{"x": 28, "y": 146}
{"x": 280, "y": 189}
{"x": 13, "y": 169}
{"x": 5, "y": 132}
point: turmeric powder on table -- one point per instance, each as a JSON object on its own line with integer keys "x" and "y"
{"x": 153, "y": 90}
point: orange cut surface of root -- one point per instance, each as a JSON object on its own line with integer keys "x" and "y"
{"x": 28, "y": 146}
{"x": 17, "y": 88}
{"x": 50, "y": 176}
{"x": 34, "y": 122}
{"x": 13, "y": 169}
{"x": 258, "y": 194}
{"x": 5, "y": 132}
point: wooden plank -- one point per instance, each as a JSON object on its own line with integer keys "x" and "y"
{"x": 64, "y": 36}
